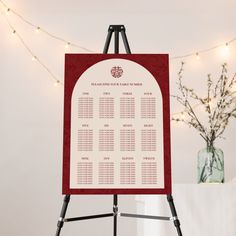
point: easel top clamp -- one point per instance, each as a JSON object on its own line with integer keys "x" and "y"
{"x": 116, "y": 29}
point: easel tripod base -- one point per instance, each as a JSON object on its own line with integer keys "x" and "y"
{"x": 115, "y": 214}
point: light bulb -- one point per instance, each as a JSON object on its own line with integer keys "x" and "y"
{"x": 56, "y": 83}
{"x": 8, "y": 11}
{"x": 197, "y": 56}
{"x": 234, "y": 86}
{"x": 211, "y": 103}
{"x": 182, "y": 115}
{"x": 37, "y": 29}
{"x": 67, "y": 45}
{"x": 225, "y": 49}
{"x": 14, "y": 32}
{"x": 34, "y": 58}
{"x": 233, "y": 90}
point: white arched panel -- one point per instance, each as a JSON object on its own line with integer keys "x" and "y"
{"x": 116, "y": 128}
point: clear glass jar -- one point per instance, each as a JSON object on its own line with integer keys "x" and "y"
{"x": 210, "y": 165}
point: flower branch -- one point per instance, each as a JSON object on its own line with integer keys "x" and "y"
{"x": 219, "y": 104}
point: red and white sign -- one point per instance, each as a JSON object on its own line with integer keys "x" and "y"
{"x": 116, "y": 124}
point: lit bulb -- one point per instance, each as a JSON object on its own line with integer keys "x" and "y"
{"x": 34, "y": 58}
{"x": 210, "y": 103}
{"x": 182, "y": 115}
{"x": 37, "y": 29}
{"x": 56, "y": 83}
{"x": 14, "y": 32}
{"x": 225, "y": 50}
{"x": 227, "y": 47}
{"x": 197, "y": 56}
{"x": 234, "y": 87}
{"x": 67, "y": 45}
{"x": 233, "y": 90}
{"x": 8, "y": 11}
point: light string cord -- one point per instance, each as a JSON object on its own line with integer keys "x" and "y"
{"x": 56, "y": 80}
{"x": 204, "y": 50}
{"x": 68, "y": 43}
{"x": 43, "y": 30}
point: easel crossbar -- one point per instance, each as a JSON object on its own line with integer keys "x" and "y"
{"x": 88, "y": 217}
{"x": 118, "y": 214}
{"x": 146, "y": 216}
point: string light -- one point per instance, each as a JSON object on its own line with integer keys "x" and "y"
{"x": 182, "y": 115}
{"x": 197, "y": 56}
{"x": 210, "y": 104}
{"x": 56, "y": 83}
{"x": 226, "y": 45}
{"x": 44, "y": 30}
{"x": 37, "y": 30}
{"x": 67, "y": 45}
{"x": 33, "y": 57}
{"x": 8, "y": 11}
{"x": 225, "y": 50}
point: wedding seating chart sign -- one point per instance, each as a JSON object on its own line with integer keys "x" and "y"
{"x": 116, "y": 124}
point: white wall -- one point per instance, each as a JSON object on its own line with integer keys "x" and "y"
{"x": 32, "y": 108}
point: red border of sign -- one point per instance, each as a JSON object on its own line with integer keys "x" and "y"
{"x": 75, "y": 66}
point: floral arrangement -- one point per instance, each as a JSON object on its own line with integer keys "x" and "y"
{"x": 219, "y": 104}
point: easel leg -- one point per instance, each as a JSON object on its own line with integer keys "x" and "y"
{"x": 108, "y": 40}
{"x": 174, "y": 214}
{"x": 60, "y": 222}
{"x": 115, "y": 211}
{"x": 125, "y": 40}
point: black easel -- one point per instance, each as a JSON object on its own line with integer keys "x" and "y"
{"x": 117, "y": 29}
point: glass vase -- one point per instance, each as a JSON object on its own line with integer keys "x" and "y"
{"x": 210, "y": 165}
